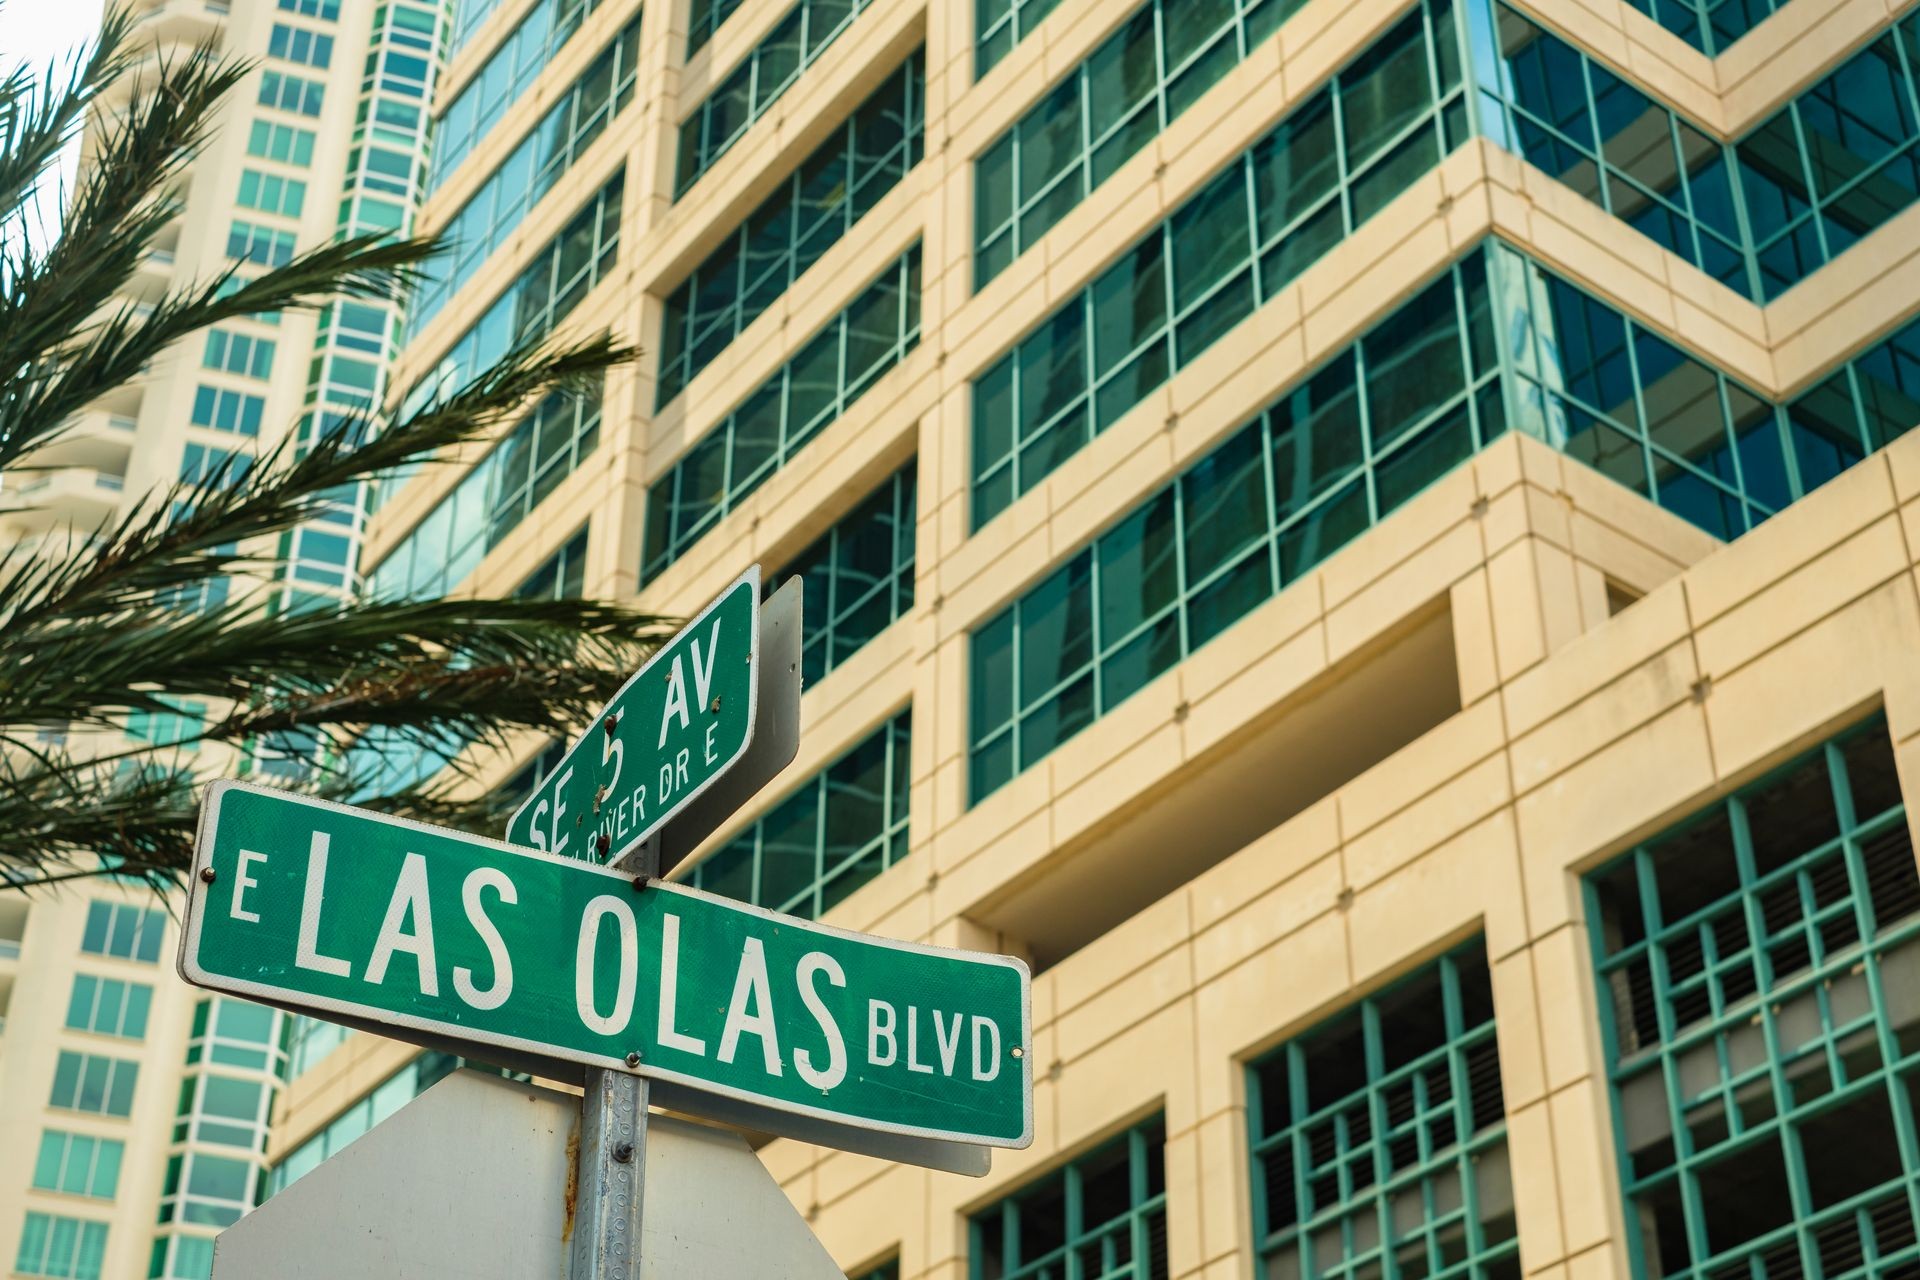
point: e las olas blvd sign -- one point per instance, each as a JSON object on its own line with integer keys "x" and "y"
{"x": 438, "y": 936}
{"x": 669, "y": 733}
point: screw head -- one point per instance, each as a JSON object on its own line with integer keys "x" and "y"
{"x": 603, "y": 844}
{"x": 612, "y": 722}
{"x": 633, "y": 1059}
{"x": 206, "y": 875}
{"x": 623, "y": 1152}
{"x": 641, "y": 882}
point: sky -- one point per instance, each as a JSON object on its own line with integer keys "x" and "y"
{"x": 39, "y": 33}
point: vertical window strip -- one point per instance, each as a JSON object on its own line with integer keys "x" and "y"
{"x": 858, "y": 576}
{"x": 817, "y": 205}
{"x": 1109, "y": 107}
{"x": 1379, "y": 1138}
{"x": 1103, "y": 1214}
{"x": 507, "y": 76}
{"x": 1334, "y": 162}
{"x": 487, "y": 221}
{"x": 767, "y": 431}
{"x": 501, "y": 491}
{"x": 1765, "y": 1070}
{"x": 762, "y": 76}
{"x": 838, "y": 830}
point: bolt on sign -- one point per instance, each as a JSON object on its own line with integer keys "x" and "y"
{"x": 670, "y": 732}
{"x": 446, "y": 938}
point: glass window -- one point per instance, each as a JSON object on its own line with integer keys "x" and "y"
{"x": 761, "y": 77}
{"x": 109, "y": 1006}
{"x": 1750, "y": 963}
{"x": 775, "y": 245}
{"x": 535, "y": 302}
{"x": 290, "y": 93}
{"x": 488, "y": 219}
{"x": 297, "y": 44}
{"x": 51, "y": 1245}
{"x": 1103, "y": 1214}
{"x": 1380, "y": 1136}
{"x": 836, "y": 831}
{"x": 281, "y": 142}
{"x": 876, "y": 332}
{"x": 858, "y": 576}
{"x": 1113, "y": 104}
{"x": 1229, "y": 248}
{"x": 499, "y": 493}
{"x": 1001, "y": 24}
{"x": 89, "y": 1082}
{"x": 123, "y": 930}
{"x": 77, "y": 1164}
{"x": 1237, "y": 526}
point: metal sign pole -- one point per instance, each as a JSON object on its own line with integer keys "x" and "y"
{"x": 610, "y": 1165}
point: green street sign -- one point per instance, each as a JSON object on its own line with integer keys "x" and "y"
{"x": 671, "y": 731}
{"x": 444, "y": 938}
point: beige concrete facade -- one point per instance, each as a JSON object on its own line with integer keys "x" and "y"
{"x": 1431, "y": 736}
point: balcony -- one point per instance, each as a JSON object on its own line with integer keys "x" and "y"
{"x": 186, "y": 21}
{"x": 98, "y": 439}
{"x": 77, "y": 498}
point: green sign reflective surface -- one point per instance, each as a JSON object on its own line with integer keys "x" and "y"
{"x": 440, "y": 935}
{"x": 680, "y": 723}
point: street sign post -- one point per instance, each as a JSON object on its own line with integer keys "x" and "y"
{"x": 685, "y": 719}
{"x": 539, "y": 961}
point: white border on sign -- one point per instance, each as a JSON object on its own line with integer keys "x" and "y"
{"x": 615, "y": 853}
{"x": 191, "y": 971}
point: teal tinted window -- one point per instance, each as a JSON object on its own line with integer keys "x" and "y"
{"x": 1711, "y": 26}
{"x": 1130, "y": 88}
{"x": 838, "y": 830}
{"x": 207, "y": 1190}
{"x": 487, "y": 221}
{"x": 1337, "y": 159}
{"x": 181, "y": 1257}
{"x": 509, "y": 72}
{"x": 561, "y": 576}
{"x": 1001, "y": 24}
{"x": 502, "y": 490}
{"x": 225, "y": 410}
{"x": 543, "y": 295}
{"x": 78, "y": 1164}
{"x": 1756, "y": 967}
{"x": 858, "y": 577}
{"x": 296, "y": 44}
{"x": 871, "y": 336}
{"x": 290, "y": 93}
{"x": 1380, "y": 1137}
{"x": 90, "y": 1082}
{"x": 51, "y": 1245}
{"x": 762, "y": 76}
{"x": 888, "y": 1270}
{"x": 1105, "y": 1215}
{"x": 124, "y": 930}
{"x": 705, "y": 19}
{"x": 280, "y": 142}
{"x": 1343, "y": 449}
{"x": 229, "y": 352}
{"x": 1759, "y": 215}
{"x": 266, "y": 246}
{"x": 467, "y": 17}
{"x": 109, "y": 1007}
{"x": 817, "y": 205}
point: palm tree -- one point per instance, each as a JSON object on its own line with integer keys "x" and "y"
{"x": 93, "y": 628}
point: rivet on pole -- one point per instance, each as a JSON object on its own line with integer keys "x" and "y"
{"x": 206, "y": 875}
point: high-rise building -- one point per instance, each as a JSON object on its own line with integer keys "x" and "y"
{"x": 1369, "y": 540}
{"x": 133, "y": 1109}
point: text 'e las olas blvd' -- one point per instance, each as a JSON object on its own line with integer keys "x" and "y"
{"x": 420, "y": 928}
